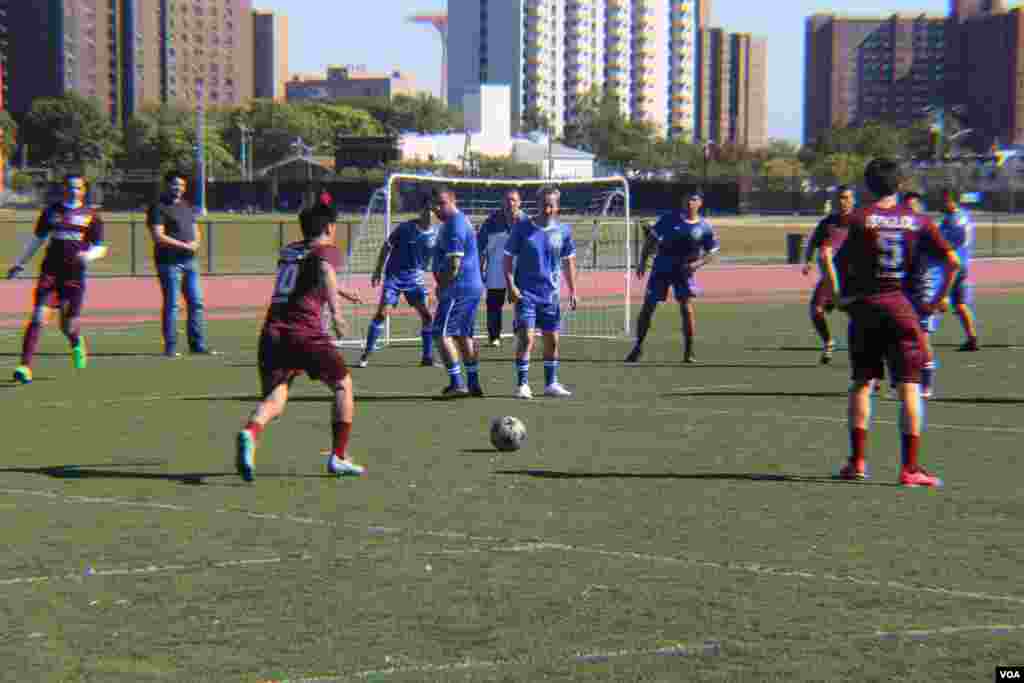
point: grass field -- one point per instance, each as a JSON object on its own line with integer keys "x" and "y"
{"x": 667, "y": 523}
{"x": 248, "y": 244}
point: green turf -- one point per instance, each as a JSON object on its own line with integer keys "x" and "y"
{"x": 667, "y": 523}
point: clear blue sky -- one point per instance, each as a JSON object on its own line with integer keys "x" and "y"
{"x": 375, "y": 33}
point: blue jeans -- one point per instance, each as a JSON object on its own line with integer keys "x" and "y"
{"x": 182, "y": 276}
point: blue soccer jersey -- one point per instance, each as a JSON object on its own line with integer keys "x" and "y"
{"x": 680, "y": 242}
{"x": 456, "y": 238}
{"x": 958, "y": 229}
{"x": 539, "y": 252}
{"x": 410, "y": 253}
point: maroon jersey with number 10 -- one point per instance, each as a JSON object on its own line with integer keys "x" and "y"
{"x": 298, "y": 299}
{"x": 881, "y": 245}
{"x": 71, "y": 232}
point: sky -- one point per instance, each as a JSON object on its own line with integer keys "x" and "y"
{"x": 376, "y": 33}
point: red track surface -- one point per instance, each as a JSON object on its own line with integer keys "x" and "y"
{"x": 126, "y": 300}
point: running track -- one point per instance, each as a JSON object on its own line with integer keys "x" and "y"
{"x": 134, "y": 300}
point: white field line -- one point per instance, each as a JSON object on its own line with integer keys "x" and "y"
{"x": 707, "y": 648}
{"x": 712, "y": 386}
{"x": 543, "y": 546}
{"x": 151, "y": 569}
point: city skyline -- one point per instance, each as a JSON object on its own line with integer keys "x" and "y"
{"x": 332, "y": 35}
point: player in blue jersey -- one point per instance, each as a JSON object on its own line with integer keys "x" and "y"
{"x": 403, "y": 258}
{"x": 921, "y": 286}
{"x": 491, "y": 245}
{"x": 459, "y": 289}
{"x": 685, "y": 242}
{"x": 958, "y": 228}
{"x": 537, "y": 253}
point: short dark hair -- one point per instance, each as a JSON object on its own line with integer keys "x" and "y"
{"x": 883, "y": 176}
{"x": 844, "y": 188}
{"x": 71, "y": 176}
{"x": 912, "y": 195}
{"x": 438, "y": 191}
{"x": 174, "y": 175}
{"x": 315, "y": 220}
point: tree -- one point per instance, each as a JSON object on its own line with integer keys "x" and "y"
{"x": 841, "y": 168}
{"x": 599, "y": 126}
{"x": 9, "y": 133}
{"x": 784, "y": 175}
{"x": 535, "y": 119}
{"x": 163, "y": 138}
{"x": 70, "y": 131}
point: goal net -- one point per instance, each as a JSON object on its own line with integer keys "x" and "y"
{"x": 596, "y": 209}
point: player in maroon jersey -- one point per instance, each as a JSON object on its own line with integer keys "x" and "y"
{"x": 294, "y": 341}
{"x": 820, "y": 303}
{"x": 872, "y": 266}
{"x": 75, "y": 234}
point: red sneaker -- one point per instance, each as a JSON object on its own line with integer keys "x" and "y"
{"x": 919, "y": 477}
{"x": 854, "y": 471}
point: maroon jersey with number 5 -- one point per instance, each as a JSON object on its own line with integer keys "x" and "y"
{"x": 881, "y": 245}
{"x": 298, "y": 299}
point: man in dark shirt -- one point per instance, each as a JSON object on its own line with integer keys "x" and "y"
{"x": 173, "y": 224}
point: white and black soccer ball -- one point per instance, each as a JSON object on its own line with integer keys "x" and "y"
{"x": 508, "y": 433}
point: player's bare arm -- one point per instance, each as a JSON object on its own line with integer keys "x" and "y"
{"x": 349, "y": 295}
{"x": 329, "y": 282}
{"x": 445, "y": 279}
{"x": 699, "y": 263}
{"x": 950, "y": 268}
{"x": 382, "y": 258}
{"x": 828, "y": 271}
{"x": 569, "y": 269}
{"x": 812, "y": 246}
{"x": 510, "y": 281}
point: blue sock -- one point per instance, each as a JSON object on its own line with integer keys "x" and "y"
{"x": 473, "y": 374}
{"x": 455, "y": 375}
{"x": 427, "y": 336}
{"x": 550, "y": 372}
{"x": 376, "y": 327}
{"x": 928, "y": 375}
{"x": 494, "y": 324}
{"x": 523, "y": 371}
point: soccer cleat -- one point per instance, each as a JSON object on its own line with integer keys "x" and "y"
{"x": 172, "y": 354}
{"x": 523, "y": 391}
{"x": 556, "y": 390}
{"x": 23, "y": 374}
{"x": 969, "y": 345}
{"x": 343, "y": 467}
{"x": 854, "y": 471}
{"x": 688, "y": 357}
{"x": 454, "y": 392}
{"x": 245, "y": 454}
{"x": 205, "y": 352}
{"x": 495, "y": 344}
{"x": 80, "y": 355}
{"x": 634, "y": 355}
{"x": 363, "y": 362}
{"x": 927, "y": 392}
{"x": 919, "y": 477}
{"x": 827, "y": 352}
{"x": 477, "y": 391}
{"x": 430, "y": 363}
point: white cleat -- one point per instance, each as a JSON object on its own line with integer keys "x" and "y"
{"x": 557, "y": 390}
{"x": 524, "y": 391}
{"x": 341, "y": 467}
{"x": 363, "y": 362}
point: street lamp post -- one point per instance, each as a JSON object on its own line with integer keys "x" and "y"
{"x": 246, "y": 151}
{"x": 708, "y": 144}
{"x": 305, "y": 152}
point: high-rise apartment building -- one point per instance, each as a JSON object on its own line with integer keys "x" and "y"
{"x": 270, "y": 55}
{"x": 552, "y": 52}
{"x": 126, "y": 53}
{"x": 732, "y": 89}
{"x": 862, "y": 69}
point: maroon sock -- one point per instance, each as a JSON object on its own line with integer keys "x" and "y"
{"x": 858, "y": 440}
{"x": 909, "y": 444}
{"x": 73, "y": 338}
{"x": 30, "y": 343}
{"x": 341, "y": 432}
{"x": 255, "y": 428}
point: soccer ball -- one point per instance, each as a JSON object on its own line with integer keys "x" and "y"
{"x": 508, "y": 433}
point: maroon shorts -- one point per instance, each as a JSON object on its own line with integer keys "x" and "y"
{"x": 283, "y": 357}
{"x": 885, "y": 327}
{"x": 58, "y": 290}
{"x": 821, "y": 299}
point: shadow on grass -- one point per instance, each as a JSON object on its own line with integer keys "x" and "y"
{"x": 980, "y": 400}
{"x": 801, "y": 349}
{"x": 326, "y": 398}
{"x": 697, "y": 476}
{"x": 113, "y": 471}
{"x": 92, "y": 354}
{"x": 983, "y": 347}
{"x": 760, "y": 394}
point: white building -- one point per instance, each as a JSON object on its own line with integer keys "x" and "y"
{"x": 550, "y": 52}
{"x": 489, "y": 131}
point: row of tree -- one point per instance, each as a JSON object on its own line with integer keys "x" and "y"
{"x": 72, "y": 131}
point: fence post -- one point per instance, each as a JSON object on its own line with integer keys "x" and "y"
{"x": 209, "y": 247}
{"x": 348, "y": 248}
{"x": 595, "y": 243}
{"x": 280, "y": 235}
{"x": 131, "y": 242}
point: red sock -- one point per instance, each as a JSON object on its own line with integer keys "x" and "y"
{"x": 30, "y": 343}
{"x": 341, "y": 431}
{"x": 858, "y": 440}
{"x": 909, "y": 444}
{"x": 255, "y": 428}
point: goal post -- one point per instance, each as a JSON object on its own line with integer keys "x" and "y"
{"x": 597, "y": 211}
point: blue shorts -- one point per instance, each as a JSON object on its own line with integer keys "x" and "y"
{"x": 532, "y": 315}
{"x": 414, "y": 293}
{"x": 456, "y": 316}
{"x": 684, "y": 286}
